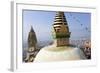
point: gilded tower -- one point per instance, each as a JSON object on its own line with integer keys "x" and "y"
{"x": 61, "y": 32}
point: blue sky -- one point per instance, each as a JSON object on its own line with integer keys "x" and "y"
{"x": 42, "y": 21}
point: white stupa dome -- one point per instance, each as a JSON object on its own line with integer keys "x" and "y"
{"x": 53, "y": 53}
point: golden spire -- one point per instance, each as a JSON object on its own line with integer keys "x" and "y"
{"x": 60, "y": 26}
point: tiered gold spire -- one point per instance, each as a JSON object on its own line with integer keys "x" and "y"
{"x": 61, "y": 32}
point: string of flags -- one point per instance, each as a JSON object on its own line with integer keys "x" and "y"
{"x": 86, "y": 28}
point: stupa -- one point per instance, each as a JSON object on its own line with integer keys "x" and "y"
{"x": 60, "y": 50}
